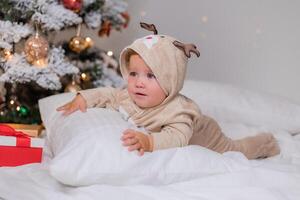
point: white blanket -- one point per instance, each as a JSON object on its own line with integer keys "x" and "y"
{"x": 275, "y": 178}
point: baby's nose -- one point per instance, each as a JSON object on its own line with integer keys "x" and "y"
{"x": 140, "y": 82}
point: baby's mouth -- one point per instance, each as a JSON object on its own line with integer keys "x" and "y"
{"x": 140, "y": 94}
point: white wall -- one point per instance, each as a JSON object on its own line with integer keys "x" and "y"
{"x": 254, "y": 44}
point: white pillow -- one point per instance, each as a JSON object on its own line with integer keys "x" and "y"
{"x": 48, "y": 105}
{"x": 87, "y": 150}
{"x": 226, "y": 103}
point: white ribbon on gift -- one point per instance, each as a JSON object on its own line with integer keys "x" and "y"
{"x": 12, "y": 141}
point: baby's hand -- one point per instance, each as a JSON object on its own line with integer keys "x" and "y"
{"x": 135, "y": 140}
{"x": 78, "y": 103}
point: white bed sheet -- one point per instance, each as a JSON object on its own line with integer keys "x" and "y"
{"x": 275, "y": 178}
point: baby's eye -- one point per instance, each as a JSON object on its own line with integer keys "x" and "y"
{"x": 132, "y": 73}
{"x": 150, "y": 76}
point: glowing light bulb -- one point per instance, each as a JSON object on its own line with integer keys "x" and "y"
{"x": 83, "y": 76}
{"x": 18, "y": 108}
{"x": 110, "y": 53}
{"x": 12, "y": 102}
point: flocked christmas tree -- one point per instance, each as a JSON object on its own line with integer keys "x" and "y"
{"x": 37, "y": 68}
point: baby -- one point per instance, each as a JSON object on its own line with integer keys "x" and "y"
{"x": 154, "y": 68}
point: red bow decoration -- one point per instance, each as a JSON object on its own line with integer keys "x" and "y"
{"x": 23, "y": 140}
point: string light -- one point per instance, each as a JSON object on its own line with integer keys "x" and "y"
{"x": 110, "y": 53}
{"x": 18, "y": 108}
{"x": 12, "y": 102}
{"x": 83, "y": 76}
{"x": 2, "y": 109}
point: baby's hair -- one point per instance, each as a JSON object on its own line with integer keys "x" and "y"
{"x": 129, "y": 53}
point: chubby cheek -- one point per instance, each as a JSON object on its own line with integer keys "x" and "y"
{"x": 158, "y": 95}
{"x": 130, "y": 85}
{"x": 129, "y": 89}
{"x": 156, "y": 89}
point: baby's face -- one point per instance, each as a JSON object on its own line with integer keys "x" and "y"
{"x": 142, "y": 86}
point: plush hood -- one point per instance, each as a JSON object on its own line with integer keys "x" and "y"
{"x": 167, "y": 62}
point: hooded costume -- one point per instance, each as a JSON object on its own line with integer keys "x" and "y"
{"x": 177, "y": 121}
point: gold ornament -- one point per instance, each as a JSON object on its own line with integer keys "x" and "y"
{"x": 89, "y": 42}
{"x": 78, "y": 43}
{"x": 72, "y": 87}
{"x": 6, "y": 54}
{"x": 36, "y": 50}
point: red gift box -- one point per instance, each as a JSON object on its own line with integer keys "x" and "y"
{"x": 17, "y": 148}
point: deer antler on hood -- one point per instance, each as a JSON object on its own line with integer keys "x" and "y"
{"x": 187, "y": 48}
{"x": 149, "y": 27}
